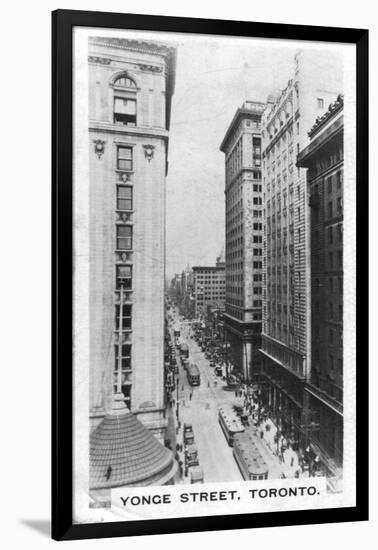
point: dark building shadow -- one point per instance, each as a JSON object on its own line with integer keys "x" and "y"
{"x": 43, "y": 526}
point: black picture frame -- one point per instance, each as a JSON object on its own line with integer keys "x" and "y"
{"x": 63, "y": 22}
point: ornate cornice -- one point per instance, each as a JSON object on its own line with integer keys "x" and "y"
{"x": 333, "y": 108}
{"x": 151, "y": 68}
{"x": 96, "y": 59}
{"x": 142, "y": 46}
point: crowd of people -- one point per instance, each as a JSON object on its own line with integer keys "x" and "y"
{"x": 295, "y": 461}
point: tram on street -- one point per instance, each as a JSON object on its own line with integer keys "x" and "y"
{"x": 230, "y": 424}
{"x": 248, "y": 457}
{"x": 193, "y": 375}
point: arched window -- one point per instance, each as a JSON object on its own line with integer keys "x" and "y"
{"x": 124, "y": 82}
{"x": 125, "y": 101}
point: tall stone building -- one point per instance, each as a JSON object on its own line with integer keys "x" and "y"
{"x": 324, "y": 158}
{"x": 131, "y": 83}
{"x": 286, "y": 336}
{"x": 244, "y": 234}
{"x": 208, "y": 288}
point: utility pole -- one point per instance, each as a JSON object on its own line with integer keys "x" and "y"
{"x": 119, "y": 355}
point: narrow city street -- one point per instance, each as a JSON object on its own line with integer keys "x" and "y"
{"x": 199, "y": 406}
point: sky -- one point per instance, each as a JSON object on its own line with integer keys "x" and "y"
{"x": 214, "y": 77}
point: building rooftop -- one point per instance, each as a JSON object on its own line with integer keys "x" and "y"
{"x": 333, "y": 109}
{"x": 211, "y": 267}
{"x": 250, "y": 109}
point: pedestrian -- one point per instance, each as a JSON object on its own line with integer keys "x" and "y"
{"x": 236, "y": 393}
{"x": 190, "y": 396}
{"x": 208, "y": 383}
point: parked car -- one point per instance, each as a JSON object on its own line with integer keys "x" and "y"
{"x": 196, "y": 474}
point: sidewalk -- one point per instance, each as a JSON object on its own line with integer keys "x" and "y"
{"x": 171, "y": 435}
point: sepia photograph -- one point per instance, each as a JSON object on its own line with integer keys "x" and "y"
{"x": 214, "y": 275}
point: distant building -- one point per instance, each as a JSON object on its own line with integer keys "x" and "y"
{"x": 208, "y": 288}
{"x": 324, "y": 158}
{"x": 244, "y": 234}
{"x": 131, "y": 83}
{"x": 286, "y": 337}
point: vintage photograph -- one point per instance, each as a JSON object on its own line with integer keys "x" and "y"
{"x": 214, "y": 274}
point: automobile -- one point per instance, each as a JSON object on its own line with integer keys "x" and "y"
{"x": 191, "y": 455}
{"x": 188, "y": 434}
{"x": 196, "y": 474}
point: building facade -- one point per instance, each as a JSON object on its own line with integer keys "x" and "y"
{"x": 286, "y": 336}
{"x": 323, "y": 158}
{"x": 208, "y": 288}
{"x": 244, "y": 234}
{"x": 130, "y": 87}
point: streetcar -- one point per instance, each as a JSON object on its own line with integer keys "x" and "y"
{"x": 248, "y": 457}
{"x": 230, "y": 423}
{"x": 193, "y": 375}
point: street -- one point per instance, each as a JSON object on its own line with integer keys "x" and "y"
{"x": 199, "y": 406}
{"x": 215, "y": 455}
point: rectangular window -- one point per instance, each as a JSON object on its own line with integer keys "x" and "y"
{"x": 330, "y": 210}
{"x": 331, "y": 260}
{"x": 339, "y": 205}
{"x": 329, "y": 184}
{"x": 126, "y": 317}
{"x": 125, "y": 356}
{"x": 124, "y": 237}
{"x": 124, "y": 197}
{"x": 124, "y": 275}
{"x": 340, "y": 232}
{"x": 125, "y": 111}
{"x": 124, "y": 158}
{"x": 331, "y": 311}
{"x": 320, "y": 103}
{"x": 339, "y": 179}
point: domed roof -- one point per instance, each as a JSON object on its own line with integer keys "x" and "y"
{"x": 123, "y": 452}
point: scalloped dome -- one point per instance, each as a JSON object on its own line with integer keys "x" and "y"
{"x": 123, "y": 452}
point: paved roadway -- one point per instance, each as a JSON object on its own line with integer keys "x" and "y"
{"x": 214, "y": 454}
